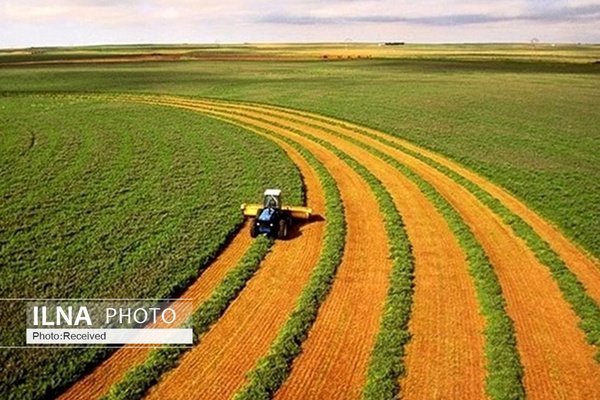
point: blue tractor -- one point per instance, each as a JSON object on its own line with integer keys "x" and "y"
{"x": 272, "y": 218}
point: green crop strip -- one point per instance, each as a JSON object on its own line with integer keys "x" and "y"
{"x": 505, "y": 372}
{"x": 572, "y": 289}
{"x": 386, "y": 363}
{"x": 139, "y": 379}
{"x": 387, "y": 356}
{"x": 274, "y": 368}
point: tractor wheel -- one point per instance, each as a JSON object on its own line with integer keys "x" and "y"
{"x": 253, "y": 230}
{"x": 283, "y": 229}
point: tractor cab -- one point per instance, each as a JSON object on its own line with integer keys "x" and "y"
{"x": 272, "y": 199}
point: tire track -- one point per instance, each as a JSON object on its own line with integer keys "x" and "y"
{"x": 441, "y": 272}
{"x": 110, "y": 371}
{"x": 216, "y": 368}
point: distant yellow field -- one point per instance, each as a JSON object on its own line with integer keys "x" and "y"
{"x": 564, "y": 53}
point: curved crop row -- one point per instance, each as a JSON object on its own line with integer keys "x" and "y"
{"x": 216, "y": 367}
{"x": 504, "y": 369}
{"x": 358, "y": 247}
{"x": 536, "y": 250}
{"x": 504, "y": 380}
{"x": 569, "y": 328}
{"x": 100, "y": 380}
{"x": 398, "y": 193}
{"x": 571, "y": 287}
{"x": 505, "y": 372}
{"x": 360, "y": 284}
{"x": 387, "y": 370}
{"x": 386, "y": 361}
{"x": 387, "y": 357}
{"x": 569, "y": 277}
{"x": 589, "y": 312}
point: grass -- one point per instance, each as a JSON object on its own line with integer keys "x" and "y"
{"x": 527, "y": 124}
{"x": 96, "y": 204}
{"x": 525, "y": 119}
{"x": 140, "y": 378}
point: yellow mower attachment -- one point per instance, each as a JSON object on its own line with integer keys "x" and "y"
{"x": 296, "y": 212}
{"x": 250, "y": 210}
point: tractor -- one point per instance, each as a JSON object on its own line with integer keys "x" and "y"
{"x": 272, "y": 218}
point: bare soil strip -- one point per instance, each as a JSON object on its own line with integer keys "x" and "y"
{"x": 216, "y": 368}
{"x": 445, "y": 324}
{"x": 100, "y": 379}
{"x": 557, "y": 359}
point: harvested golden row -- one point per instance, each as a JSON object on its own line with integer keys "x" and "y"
{"x": 555, "y": 354}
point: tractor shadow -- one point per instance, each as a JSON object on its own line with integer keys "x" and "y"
{"x": 295, "y": 230}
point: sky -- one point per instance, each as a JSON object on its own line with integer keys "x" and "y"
{"x": 32, "y": 23}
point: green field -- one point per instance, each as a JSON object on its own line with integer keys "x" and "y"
{"x": 105, "y": 200}
{"x": 96, "y": 194}
{"x": 528, "y": 123}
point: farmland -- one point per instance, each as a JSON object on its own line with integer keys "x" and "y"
{"x": 458, "y": 188}
{"x": 105, "y": 212}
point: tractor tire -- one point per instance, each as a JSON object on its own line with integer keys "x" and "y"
{"x": 253, "y": 230}
{"x": 283, "y": 229}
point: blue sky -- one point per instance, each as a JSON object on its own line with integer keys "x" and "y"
{"x": 25, "y": 23}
